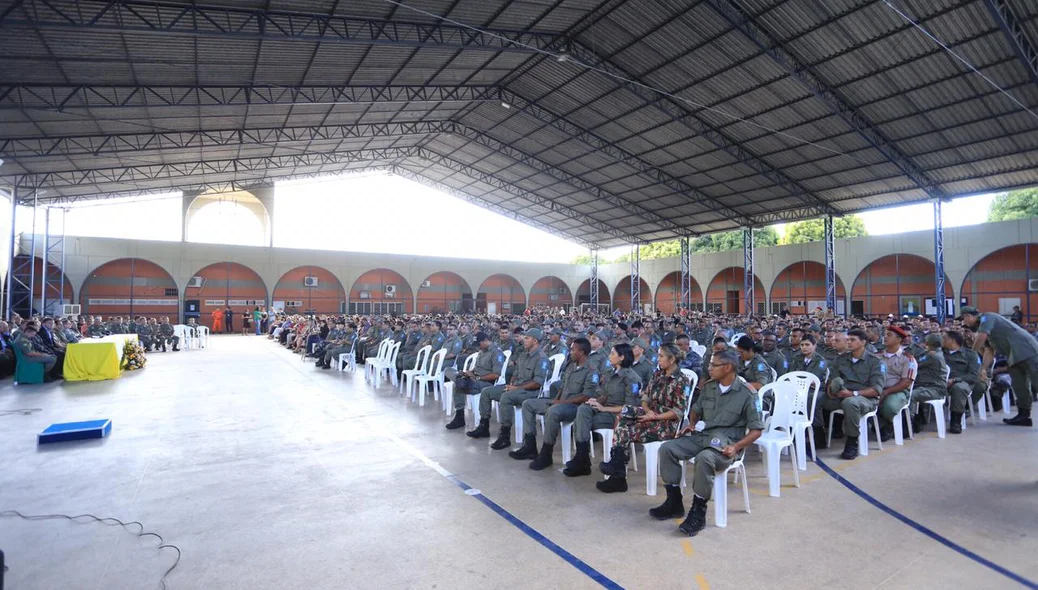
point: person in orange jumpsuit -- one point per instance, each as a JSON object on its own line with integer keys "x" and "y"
{"x": 217, "y": 321}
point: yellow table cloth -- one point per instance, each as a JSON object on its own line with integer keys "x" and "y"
{"x": 96, "y": 359}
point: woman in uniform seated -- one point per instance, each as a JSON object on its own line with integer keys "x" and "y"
{"x": 658, "y": 417}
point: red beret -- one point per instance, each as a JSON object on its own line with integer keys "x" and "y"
{"x": 897, "y": 330}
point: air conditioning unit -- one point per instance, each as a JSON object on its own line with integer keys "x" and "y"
{"x": 553, "y": 297}
{"x": 70, "y": 309}
{"x": 1032, "y": 284}
{"x": 196, "y": 282}
{"x": 427, "y": 283}
{"x": 390, "y": 291}
{"x": 365, "y": 294}
{"x": 309, "y": 281}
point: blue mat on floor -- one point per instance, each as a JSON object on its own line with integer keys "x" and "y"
{"x": 66, "y": 431}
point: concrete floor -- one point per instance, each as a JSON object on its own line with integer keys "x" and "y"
{"x": 269, "y": 473}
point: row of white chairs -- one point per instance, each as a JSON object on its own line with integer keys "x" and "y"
{"x": 189, "y": 342}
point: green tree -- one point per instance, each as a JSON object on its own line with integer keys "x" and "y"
{"x": 732, "y": 240}
{"x": 664, "y": 249}
{"x": 813, "y": 230}
{"x": 583, "y": 259}
{"x": 1021, "y": 204}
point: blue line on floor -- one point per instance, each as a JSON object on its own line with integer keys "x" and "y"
{"x": 922, "y": 529}
{"x": 571, "y": 559}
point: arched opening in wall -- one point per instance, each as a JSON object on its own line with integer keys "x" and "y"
{"x": 28, "y": 271}
{"x": 228, "y": 218}
{"x": 725, "y": 293}
{"x": 584, "y": 294}
{"x": 622, "y": 295}
{"x": 224, "y": 284}
{"x": 500, "y": 294}
{"x": 309, "y": 289}
{"x": 901, "y": 284}
{"x": 131, "y": 287}
{"x": 1003, "y": 279}
{"x": 381, "y": 291}
{"x": 445, "y": 292}
{"x": 800, "y": 289}
{"x": 668, "y": 294}
{"x": 551, "y": 292}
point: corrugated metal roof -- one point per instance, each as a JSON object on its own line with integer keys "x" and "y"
{"x": 742, "y": 140}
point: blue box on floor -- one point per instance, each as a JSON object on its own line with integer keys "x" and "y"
{"x": 67, "y": 431}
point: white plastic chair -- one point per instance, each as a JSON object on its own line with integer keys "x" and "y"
{"x": 502, "y": 379}
{"x": 863, "y": 430}
{"x": 348, "y": 360}
{"x": 652, "y": 449}
{"x": 388, "y": 365}
{"x": 808, "y": 388}
{"x": 779, "y": 434}
{"x": 899, "y": 435}
{"x": 203, "y": 336}
{"x": 435, "y": 377}
{"x": 448, "y": 387}
{"x": 556, "y": 368}
{"x": 720, "y": 495}
{"x": 699, "y": 349}
{"x": 371, "y": 361}
{"x": 938, "y": 408}
{"x": 181, "y": 331}
{"x": 735, "y": 339}
{"x": 421, "y": 367}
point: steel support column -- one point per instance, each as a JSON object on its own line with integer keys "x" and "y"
{"x": 32, "y": 252}
{"x": 686, "y": 275}
{"x": 636, "y": 287}
{"x": 594, "y": 281}
{"x": 53, "y": 255}
{"x": 938, "y": 261}
{"x": 46, "y": 247}
{"x": 830, "y": 264}
{"x": 8, "y": 291}
{"x": 747, "y": 263}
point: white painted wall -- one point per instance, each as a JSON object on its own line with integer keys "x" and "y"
{"x": 964, "y": 247}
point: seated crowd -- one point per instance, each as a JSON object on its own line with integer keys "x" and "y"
{"x": 627, "y": 375}
{"x": 44, "y": 340}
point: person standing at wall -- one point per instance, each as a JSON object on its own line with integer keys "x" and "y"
{"x": 228, "y": 320}
{"x": 257, "y": 318}
{"x": 217, "y": 316}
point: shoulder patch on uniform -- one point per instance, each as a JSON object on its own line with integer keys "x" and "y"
{"x": 821, "y": 364}
{"x": 760, "y": 366}
{"x": 500, "y": 357}
{"x": 635, "y": 387}
{"x": 785, "y": 364}
{"x": 688, "y": 390}
{"x": 882, "y": 368}
{"x": 544, "y": 365}
{"x": 594, "y": 377}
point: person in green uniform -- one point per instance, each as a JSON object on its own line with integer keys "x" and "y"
{"x": 620, "y": 387}
{"x": 555, "y": 345}
{"x": 644, "y": 365}
{"x": 578, "y": 384}
{"x": 964, "y": 379}
{"x": 753, "y": 368}
{"x": 930, "y": 382}
{"x": 1018, "y": 347}
{"x": 488, "y": 367}
{"x": 599, "y": 357}
{"x": 526, "y": 381}
{"x": 340, "y": 343}
{"x": 453, "y": 345}
{"x": 771, "y": 355}
{"x": 855, "y": 387}
{"x": 29, "y": 354}
{"x": 723, "y": 421}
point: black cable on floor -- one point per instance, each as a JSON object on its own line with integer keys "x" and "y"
{"x": 22, "y": 411}
{"x": 106, "y": 521}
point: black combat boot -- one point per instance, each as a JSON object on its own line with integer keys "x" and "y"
{"x": 696, "y": 519}
{"x": 481, "y": 431}
{"x": 615, "y": 483}
{"x": 543, "y": 460}
{"x": 820, "y": 441}
{"x": 458, "y": 421}
{"x": 850, "y": 448}
{"x": 919, "y": 421}
{"x": 528, "y": 450}
{"x": 1022, "y": 418}
{"x": 617, "y": 464}
{"x": 580, "y": 464}
{"x": 504, "y": 439}
{"x": 672, "y": 507}
{"x": 955, "y": 426}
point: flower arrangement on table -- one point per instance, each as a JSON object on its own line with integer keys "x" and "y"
{"x": 133, "y": 356}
